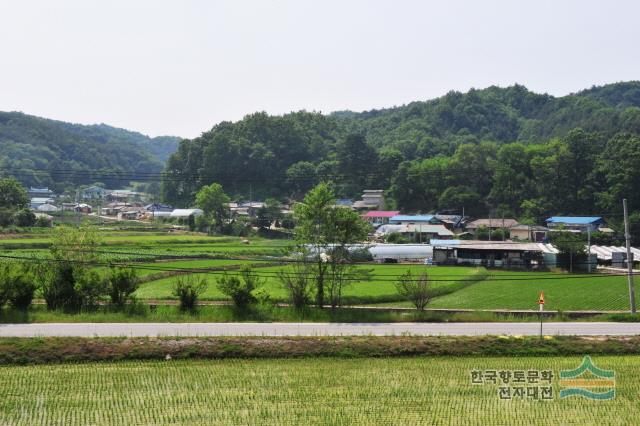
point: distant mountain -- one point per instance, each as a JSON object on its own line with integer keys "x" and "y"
{"x": 33, "y": 143}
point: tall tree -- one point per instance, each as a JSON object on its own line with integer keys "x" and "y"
{"x": 214, "y": 202}
{"x": 323, "y": 233}
{"x": 12, "y": 194}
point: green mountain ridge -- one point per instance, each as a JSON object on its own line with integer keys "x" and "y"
{"x": 283, "y": 156}
{"x": 30, "y": 143}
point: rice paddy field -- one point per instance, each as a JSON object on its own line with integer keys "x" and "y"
{"x": 362, "y": 391}
{"x": 380, "y": 287}
{"x": 159, "y": 256}
{"x": 506, "y": 289}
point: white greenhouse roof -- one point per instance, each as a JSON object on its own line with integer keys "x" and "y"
{"x": 186, "y": 212}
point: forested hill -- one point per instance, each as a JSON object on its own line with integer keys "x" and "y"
{"x": 33, "y": 143}
{"x": 422, "y": 129}
{"x": 501, "y": 150}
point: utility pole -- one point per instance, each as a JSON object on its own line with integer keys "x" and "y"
{"x": 589, "y": 248}
{"x": 489, "y": 226}
{"x": 627, "y": 237}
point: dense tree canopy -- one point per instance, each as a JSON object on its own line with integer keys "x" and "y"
{"x": 12, "y": 194}
{"x": 498, "y": 150}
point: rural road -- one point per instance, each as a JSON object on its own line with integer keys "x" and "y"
{"x": 315, "y": 329}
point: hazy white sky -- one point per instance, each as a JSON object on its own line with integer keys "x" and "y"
{"x": 179, "y": 67}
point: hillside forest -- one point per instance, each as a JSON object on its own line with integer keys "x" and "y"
{"x": 499, "y": 151}
{"x": 59, "y": 155}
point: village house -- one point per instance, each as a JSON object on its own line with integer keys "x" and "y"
{"x": 372, "y": 199}
{"x": 491, "y": 224}
{"x": 122, "y": 195}
{"x": 47, "y": 208}
{"x": 528, "y": 233}
{"x": 131, "y": 213}
{"x": 40, "y": 193}
{"x": 414, "y": 220}
{"x": 420, "y": 232}
{"x": 38, "y": 201}
{"x": 83, "y": 208}
{"x": 379, "y": 217}
{"x": 575, "y": 223}
{"x": 157, "y": 207}
{"x": 451, "y": 221}
{"x": 236, "y": 210}
{"x": 69, "y": 207}
{"x": 93, "y": 193}
{"x": 112, "y": 209}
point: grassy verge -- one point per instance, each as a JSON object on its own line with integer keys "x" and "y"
{"x": 227, "y": 313}
{"x": 77, "y": 349}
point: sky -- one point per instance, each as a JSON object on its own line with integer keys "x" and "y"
{"x": 179, "y": 67}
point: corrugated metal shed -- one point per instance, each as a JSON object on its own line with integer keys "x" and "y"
{"x": 604, "y": 252}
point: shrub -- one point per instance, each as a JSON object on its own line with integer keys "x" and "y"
{"x": 65, "y": 287}
{"x": 25, "y": 218}
{"x": 16, "y": 285}
{"x": 43, "y": 222}
{"x": 188, "y": 289}
{"x": 4, "y": 286}
{"x": 6, "y": 217}
{"x": 417, "y": 290}
{"x": 360, "y": 255}
{"x": 298, "y": 284}
{"x": 240, "y": 288}
{"x": 57, "y": 285}
{"x": 67, "y": 281}
{"x": 121, "y": 284}
{"x": 89, "y": 288}
{"x": 21, "y": 294}
{"x": 396, "y": 238}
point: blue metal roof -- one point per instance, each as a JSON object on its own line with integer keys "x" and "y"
{"x": 407, "y": 218}
{"x": 574, "y": 220}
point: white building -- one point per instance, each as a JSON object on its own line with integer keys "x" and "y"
{"x": 185, "y": 213}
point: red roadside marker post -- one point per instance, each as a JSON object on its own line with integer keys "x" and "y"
{"x": 541, "y": 305}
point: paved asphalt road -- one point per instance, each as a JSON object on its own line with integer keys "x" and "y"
{"x": 315, "y": 329}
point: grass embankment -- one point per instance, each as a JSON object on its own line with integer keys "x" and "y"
{"x": 335, "y": 390}
{"x": 226, "y": 313}
{"x": 16, "y": 350}
{"x": 275, "y": 313}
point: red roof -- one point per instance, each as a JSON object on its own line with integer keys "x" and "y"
{"x": 381, "y": 213}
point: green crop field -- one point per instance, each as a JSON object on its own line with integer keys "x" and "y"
{"x": 512, "y": 290}
{"x": 380, "y": 287}
{"x": 425, "y": 390}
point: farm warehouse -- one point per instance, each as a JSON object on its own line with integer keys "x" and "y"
{"x": 492, "y": 253}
